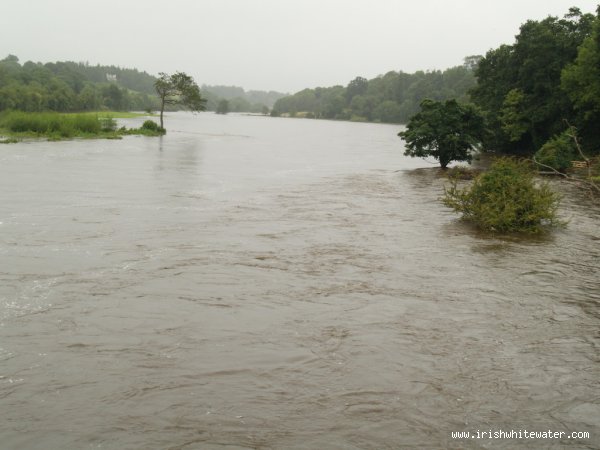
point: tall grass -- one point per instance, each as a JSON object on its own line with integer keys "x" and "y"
{"x": 56, "y": 124}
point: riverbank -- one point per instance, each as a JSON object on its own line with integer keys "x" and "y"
{"x": 16, "y": 126}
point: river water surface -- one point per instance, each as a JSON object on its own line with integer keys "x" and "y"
{"x": 260, "y": 283}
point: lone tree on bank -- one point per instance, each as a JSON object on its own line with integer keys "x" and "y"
{"x": 447, "y": 131}
{"x": 180, "y": 89}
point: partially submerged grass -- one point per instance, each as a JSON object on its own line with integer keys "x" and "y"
{"x": 15, "y": 125}
{"x": 115, "y": 114}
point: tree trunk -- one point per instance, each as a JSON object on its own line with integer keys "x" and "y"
{"x": 162, "y": 109}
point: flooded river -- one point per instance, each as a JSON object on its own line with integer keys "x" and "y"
{"x": 258, "y": 283}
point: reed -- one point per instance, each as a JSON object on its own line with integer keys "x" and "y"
{"x": 50, "y": 124}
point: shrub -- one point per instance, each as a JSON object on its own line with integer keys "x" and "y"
{"x": 150, "y": 125}
{"x": 86, "y": 123}
{"x": 108, "y": 123}
{"x": 462, "y": 173}
{"x": 557, "y": 152}
{"x": 505, "y": 199}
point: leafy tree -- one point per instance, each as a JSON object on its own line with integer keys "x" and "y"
{"x": 557, "y": 153}
{"x": 515, "y": 123}
{"x": 581, "y": 81}
{"x": 471, "y": 62}
{"x": 178, "y": 89}
{"x": 519, "y": 85}
{"x": 223, "y": 107}
{"x": 114, "y": 97}
{"x": 387, "y": 111}
{"x": 358, "y": 86}
{"x": 447, "y": 131}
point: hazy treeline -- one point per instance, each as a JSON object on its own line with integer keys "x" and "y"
{"x": 239, "y": 100}
{"x": 70, "y": 86}
{"x": 548, "y": 76}
{"x": 393, "y": 97}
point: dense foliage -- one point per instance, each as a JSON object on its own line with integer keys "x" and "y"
{"x": 528, "y": 89}
{"x": 69, "y": 86}
{"x": 447, "y": 131}
{"x": 557, "y": 153}
{"x": 505, "y": 199}
{"x": 581, "y": 81}
{"x": 393, "y": 97}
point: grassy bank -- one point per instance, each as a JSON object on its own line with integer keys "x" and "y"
{"x": 16, "y": 125}
{"x": 114, "y": 114}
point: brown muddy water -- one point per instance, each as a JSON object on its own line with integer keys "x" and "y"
{"x": 259, "y": 283}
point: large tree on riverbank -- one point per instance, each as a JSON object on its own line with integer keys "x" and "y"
{"x": 178, "y": 89}
{"x": 447, "y": 131}
{"x": 519, "y": 85}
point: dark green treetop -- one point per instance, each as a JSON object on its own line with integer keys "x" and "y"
{"x": 581, "y": 81}
{"x": 447, "y": 131}
{"x": 519, "y": 85}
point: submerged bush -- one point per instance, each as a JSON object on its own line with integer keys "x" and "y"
{"x": 150, "y": 125}
{"x": 505, "y": 199}
{"x": 108, "y": 123}
{"x": 557, "y": 152}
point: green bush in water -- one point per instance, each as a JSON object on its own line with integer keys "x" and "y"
{"x": 505, "y": 199}
{"x": 557, "y": 152}
{"x": 108, "y": 124}
{"x": 150, "y": 125}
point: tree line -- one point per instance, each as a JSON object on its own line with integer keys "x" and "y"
{"x": 235, "y": 99}
{"x": 68, "y": 86}
{"x": 538, "y": 97}
{"x": 532, "y": 91}
{"x": 531, "y": 94}
{"x": 392, "y": 98}
{"x": 72, "y": 87}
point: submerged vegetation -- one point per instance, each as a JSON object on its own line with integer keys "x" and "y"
{"x": 56, "y": 126}
{"x": 506, "y": 198}
{"x": 538, "y": 98}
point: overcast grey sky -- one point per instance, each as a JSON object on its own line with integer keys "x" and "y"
{"x": 267, "y": 44}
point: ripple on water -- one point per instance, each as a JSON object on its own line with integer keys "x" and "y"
{"x": 204, "y": 291}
